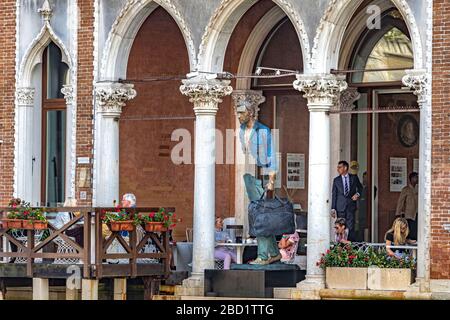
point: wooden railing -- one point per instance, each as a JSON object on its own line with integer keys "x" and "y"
{"x": 93, "y": 253}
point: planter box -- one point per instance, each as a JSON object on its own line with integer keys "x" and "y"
{"x": 12, "y": 223}
{"x": 154, "y": 227}
{"x": 122, "y": 225}
{"x": 34, "y": 225}
{"x": 346, "y": 278}
{"x": 389, "y": 279}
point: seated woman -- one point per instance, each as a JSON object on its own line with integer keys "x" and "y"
{"x": 288, "y": 247}
{"x": 63, "y": 218}
{"x": 398, "y": 235}
{"x": 226, "y": 254}
{"x": 341, "y": 231}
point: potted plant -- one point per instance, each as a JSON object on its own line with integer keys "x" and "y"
{"x": 119, "y": 220}
{"x": 158, "y": 221}
{"x": 34, "y": 219}
{"x": 390, "y": 273}
{"x": 22, "y": 216}
{"x": 345, "y": 267}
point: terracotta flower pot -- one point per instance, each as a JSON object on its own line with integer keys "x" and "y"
{"x": 13, "y": 223}
{"x": 121, "y": 225}
{"x": 40, "y": 225}
{"x": 34, "y": 225}
{"x": 154, "y": 226}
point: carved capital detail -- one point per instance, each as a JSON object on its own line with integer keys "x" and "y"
{"x": 205, "y": 93}
{"x": 347, "y": 99}
{"x": 112, "y": 97}
{"x": 68, "y": 93}
{"x": 419, "y": 82}
{"x": 248, "y": 99}
{"x": 25, "y": 96}
{"x": 322, "y": 91}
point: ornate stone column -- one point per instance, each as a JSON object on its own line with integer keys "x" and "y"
{"x": 205, "y": 94}
{"x": 24, "y": 138}
{"x": 68, "y": 92}
{"x": 419, "y": 81}
{"x": 111, "y": 97}
{"x": 322, "y": 92}
{"x": 244, "y": 99}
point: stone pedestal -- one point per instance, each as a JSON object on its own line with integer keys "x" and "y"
{"x": 40, "y": 289}
{"x": 120, "y": 289}
{"x": 89, "y": 289}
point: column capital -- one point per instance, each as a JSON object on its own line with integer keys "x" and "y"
{"x": 25, "y": 96}
{"x": 112, "y": 97}
{"x": 321, "y": 90}
{"x": 68, "y": 93}
{"x": 248, "y": 99}
{"x": 347, "y": 99}
{"x": 419, "y": 81}
{"x": 205, "y": 93}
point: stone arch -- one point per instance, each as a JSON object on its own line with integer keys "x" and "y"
{"x": 331, "y": 31}
{"x": 124, "y": 30}
{"x": 224, "y": 20}
{"x": 254, "y": 43}
{"x": 33, "y": 55}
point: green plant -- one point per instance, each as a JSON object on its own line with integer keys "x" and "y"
{"x": 347, "y": 255}
{"x": 117, "y": 216}
{"x": 22, "y": 210}
{"x": 343, "y": 255}
{"x": 167, "y": 218}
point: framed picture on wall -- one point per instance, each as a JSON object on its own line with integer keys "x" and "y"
{"x": 398, "y": 174}
{"x": 408, "y": 131}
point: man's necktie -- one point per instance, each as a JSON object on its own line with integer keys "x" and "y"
{"x": 346, "y": 186}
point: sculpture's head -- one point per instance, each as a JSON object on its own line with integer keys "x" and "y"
{"x": 246, "y": 113}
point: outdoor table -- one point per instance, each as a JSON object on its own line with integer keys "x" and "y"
{"x": 239, "y": 248}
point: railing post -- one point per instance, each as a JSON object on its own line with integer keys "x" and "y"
{"x": 40, "y": 289}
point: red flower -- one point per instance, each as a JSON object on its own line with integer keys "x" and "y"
{"x": 152, "y": 215}
{"x": 328, "y": 251}
{"x": 26, "y": 213}
{"x": 166, "y": 218}
{"x": 352, "y": 257}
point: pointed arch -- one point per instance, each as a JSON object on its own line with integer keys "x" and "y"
{"x": 224, "y": 20}
{"x": 333, "y": 26}
{"x": 33, "y": 55}
{"x": 124, "y": 30}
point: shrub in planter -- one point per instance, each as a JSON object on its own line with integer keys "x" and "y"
{"x": 345, "y": 267}
{"x": 390, "y": 273}
{"x": 120, "y": 220}
{"x": 22, "y": 216}
{"x": 348, "y": 268}
{"x": 158, "y": 221}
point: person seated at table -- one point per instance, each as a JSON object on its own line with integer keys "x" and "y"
{"x": 288, "y": 247}
{"x": 341, "y": 231}
{"x": 398, "y": 235}
{"x": 226, "y": 254}
{"x": 63, "y": 218}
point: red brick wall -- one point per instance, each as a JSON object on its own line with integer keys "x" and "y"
{"x": 7, "y": 89}
{"x": 85, "y": 91}
{"x": 147, "y": 122}
{"x": 440, "y": 181}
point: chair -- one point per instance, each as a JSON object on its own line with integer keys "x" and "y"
{"x": 64, "y": 248}
{"x": 231, "y": 232}
{"x": 189, "y": 234}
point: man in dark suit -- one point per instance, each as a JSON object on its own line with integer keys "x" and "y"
{"x": 346, "y": 191}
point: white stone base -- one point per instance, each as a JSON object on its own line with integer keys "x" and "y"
{"x": 89, "y": 289}
{"x": 389, "y": 279}
{"x": 120, "y": 289}
{"x": 193, "y": 286}
{"x": 40, "y": 289}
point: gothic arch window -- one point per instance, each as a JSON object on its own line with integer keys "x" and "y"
{"x": 389, "y": 47}
{"x": 55, "y": 74}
